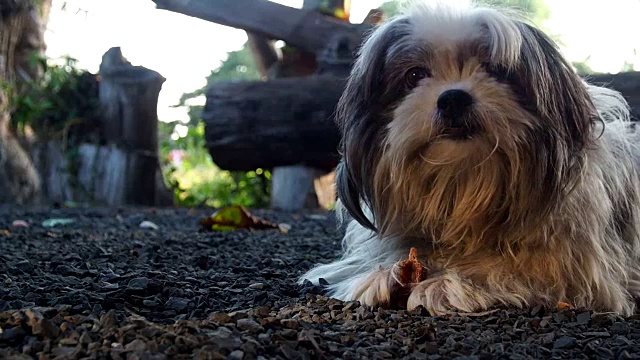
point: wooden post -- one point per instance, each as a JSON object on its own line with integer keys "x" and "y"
{"x": 264, "y": 52}
{"x": 129, "y": 100}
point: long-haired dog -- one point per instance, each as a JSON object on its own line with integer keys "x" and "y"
{"x": 468, "y": 136}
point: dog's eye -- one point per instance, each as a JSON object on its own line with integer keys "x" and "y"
{"x": 414, "y": 75}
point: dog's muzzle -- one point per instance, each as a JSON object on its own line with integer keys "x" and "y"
{"x": 453, "y": 107}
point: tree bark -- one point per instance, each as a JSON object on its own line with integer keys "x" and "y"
{"x": 21, "y": 33}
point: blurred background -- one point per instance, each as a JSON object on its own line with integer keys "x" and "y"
{"x": 191, "y": 54}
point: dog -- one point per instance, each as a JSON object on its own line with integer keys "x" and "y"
{"x": 468, "y": 136}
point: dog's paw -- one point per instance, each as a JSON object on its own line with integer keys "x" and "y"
{"x": 449, "y": 293}
{"x": 375, "y": 289}
{"x": 392, "y": 287}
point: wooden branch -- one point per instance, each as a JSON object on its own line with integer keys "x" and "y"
{"x": 306, "y": 30}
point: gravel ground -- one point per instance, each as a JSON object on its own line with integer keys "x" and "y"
{"x": 103, "y": 287}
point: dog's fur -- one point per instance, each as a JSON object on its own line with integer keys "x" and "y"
{"x": 540, "y": 205}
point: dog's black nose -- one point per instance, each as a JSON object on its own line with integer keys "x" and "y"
{"x": 453, "y": 103}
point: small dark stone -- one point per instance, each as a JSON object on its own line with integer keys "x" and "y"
{"x": 202, "y": 262}
{"x": 560, "y": 317}
{"x": 66, "y": 270}
{"x": 583, "y": 318}
{"x": 136, "y": 345}
{"x": 565, "y": 342}
{"x": 222, "y": 318}
{"x": 536, "y": 310}
{"x": 109, "y": 319}
{"x": 13, "y": 334}
{"x": 138, "y": 284}
{"x": 290, "y": 323}
{"x": 619, "y": 328}
{"x": 24, "y": 265}
{"x": 248, "y": 325}
{"x": 236, "y": 355}
{"x": 46, "y": 328}
{"x": 177, "y": 303}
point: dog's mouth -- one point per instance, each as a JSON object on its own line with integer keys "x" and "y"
{"x": 459, "y": 128}
{"x": 459, "y": 133}
{"x": 466, "y": 131}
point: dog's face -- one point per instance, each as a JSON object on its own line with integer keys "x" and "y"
{"x": 458, "y": 121}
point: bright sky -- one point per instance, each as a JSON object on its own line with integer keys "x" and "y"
{"x": 185, "y": 49}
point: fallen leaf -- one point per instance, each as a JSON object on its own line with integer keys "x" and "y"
{"x": 5, "y": 233}
{"x": 56, "y": 222}
{"x": 237, "y": 217}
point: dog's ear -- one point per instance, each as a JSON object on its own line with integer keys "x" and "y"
{"x": 361, "y": 116}
{"x": 558, "y": 94}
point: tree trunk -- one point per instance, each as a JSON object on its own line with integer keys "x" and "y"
{"x": 21, "y": 33}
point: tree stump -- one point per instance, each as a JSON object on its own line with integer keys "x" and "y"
{"x": 129, "y": 100}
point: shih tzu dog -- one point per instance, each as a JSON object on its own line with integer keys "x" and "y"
{"x": 468, "y": 136}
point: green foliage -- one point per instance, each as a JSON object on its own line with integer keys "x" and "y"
{"x": 63, "y": 104}
{"x": 582, "y": 67}
{"x": 390, "y": 8}
{"x": 198, "y": 181}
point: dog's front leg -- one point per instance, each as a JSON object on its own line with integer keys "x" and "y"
{"x": 450, "y": 292}
{"x": 376, "y": 288}
{"x": 385, "y": 287}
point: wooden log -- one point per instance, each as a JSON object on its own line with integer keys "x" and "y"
{"x": 628, "y": 83}
{"x": 307, "y": 30}
{"x": 280, "y": 122}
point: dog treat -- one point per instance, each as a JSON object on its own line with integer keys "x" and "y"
{"x": 411, "y": 270}
{"x": 563, "y": 305}
{"x": 408, "y": 273}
